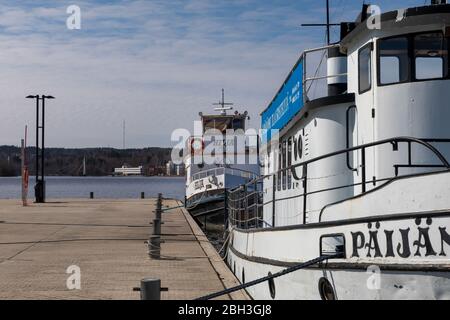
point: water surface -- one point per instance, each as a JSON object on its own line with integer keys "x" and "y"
{"x": 103, "y": 187}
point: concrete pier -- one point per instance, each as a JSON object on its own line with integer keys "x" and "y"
{"x": 106, "y": 240}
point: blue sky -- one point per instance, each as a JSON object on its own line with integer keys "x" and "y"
{"x": 153, "y": 63}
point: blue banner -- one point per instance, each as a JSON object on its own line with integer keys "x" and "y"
{"x": 286, "y": 104}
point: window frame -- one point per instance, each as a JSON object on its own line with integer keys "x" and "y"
{"x": 279, "y": 173}
{"x": 378, "y": 68}
{"x": 412, "y": 58}
{"x": 284, "y": 160}
{"x": 368, "y": 45}
{"x": 289, "y": 162}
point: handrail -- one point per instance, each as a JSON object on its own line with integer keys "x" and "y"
{"x": 422, "y": 142}
{"x": 225, "y": 169}
{"x": 243, "y": 195}
{"x": 347, "y": 135}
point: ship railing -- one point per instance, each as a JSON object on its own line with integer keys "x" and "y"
{"x": 223, "y": 170}
{"x": 245, "y": 204}
{"x": 309, "y": 81}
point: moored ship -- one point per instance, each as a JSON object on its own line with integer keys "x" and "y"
{"x": 222, "y": 157}
{"x": 360, "y": 175}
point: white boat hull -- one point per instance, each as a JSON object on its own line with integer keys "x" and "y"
{"x": 388, "y": 255}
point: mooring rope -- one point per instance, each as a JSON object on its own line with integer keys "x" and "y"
{"x": 275, "y": 275}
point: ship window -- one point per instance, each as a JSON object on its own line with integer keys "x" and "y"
{"x": 238, "y": 124}
{"x": 283, "y": 152}
{"x": 431, "y": 56}
{"x": 393, "y": 60}
{"x": 365, "y": 68}
{"x": 295, "y": 148}
{"x": 279, "y": 169}
{"x": 289, "y": 163}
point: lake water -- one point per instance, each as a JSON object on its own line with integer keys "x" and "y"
{"x": 103, "y": 187}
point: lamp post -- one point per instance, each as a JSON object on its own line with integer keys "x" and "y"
{"x": 39, "y": 189}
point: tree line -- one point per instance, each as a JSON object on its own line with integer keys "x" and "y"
{"x": 99, "y": 161}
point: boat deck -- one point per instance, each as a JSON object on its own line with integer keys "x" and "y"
{"x": 106, "y": 240}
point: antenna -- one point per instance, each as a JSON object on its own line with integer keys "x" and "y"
{"x": 224, "y": 106}
{"x": 328, "y": 25}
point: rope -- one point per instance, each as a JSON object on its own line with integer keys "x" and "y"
{"x": 197, "y": 203}
{"x": 273, "y": 276}
{"x": 172, "y": 208}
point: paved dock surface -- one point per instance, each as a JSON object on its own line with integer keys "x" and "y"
{"x": 106, "y": 240}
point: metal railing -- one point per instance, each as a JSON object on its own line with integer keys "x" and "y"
{"x": 245, "y": 204}
{"x": 223, "y": 170}
{"x": 314, "y": 78}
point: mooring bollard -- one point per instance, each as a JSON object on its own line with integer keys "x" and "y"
{"x": 157, "y": 227}
{"x": 142, "y": 195}
{"x": 158, "y": 214}
{"x": 154, "y": 247}
{"x": 150, "y": 289}
{"x": 159, "y": 200}
{"x": 91, "y": 195}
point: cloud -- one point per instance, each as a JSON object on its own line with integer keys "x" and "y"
{"x": 153, "y": 63}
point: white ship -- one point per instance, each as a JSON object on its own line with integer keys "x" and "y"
{"x": 217, "y": 160}
{"x": 362, "y": 173}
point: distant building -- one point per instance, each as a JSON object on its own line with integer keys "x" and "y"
{"x": 170, "y": 168}
{"x": 128, "y": 171}
{"x": 181, "y": 170}
{"x": 174, "y": 169}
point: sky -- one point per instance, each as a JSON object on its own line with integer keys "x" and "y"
{"x": 154, "y": 64}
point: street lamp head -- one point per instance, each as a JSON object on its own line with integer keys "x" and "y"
{"x": 48, "y": 97}
{"x": 31, "y": 97}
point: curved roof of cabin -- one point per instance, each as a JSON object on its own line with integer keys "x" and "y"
{"x": 436, "y": 15}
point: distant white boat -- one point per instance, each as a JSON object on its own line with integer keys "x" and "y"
{"x": 128, "y": 171}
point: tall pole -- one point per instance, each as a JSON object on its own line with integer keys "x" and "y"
{"x": 328, "y": 22}
{"x": 40, "y": 183}
{"x": 43, "y": 141}
{"x": 24, "y": 197}
{"x": 37, "y": 139}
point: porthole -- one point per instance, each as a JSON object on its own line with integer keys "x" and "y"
{"x": 300, "y": 147}
{"x": 243, "y": 275}
{"x": 272, "y": 286}
{"x": 326, "y": 290}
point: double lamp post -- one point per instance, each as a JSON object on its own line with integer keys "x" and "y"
{"x": 39, "y": 188}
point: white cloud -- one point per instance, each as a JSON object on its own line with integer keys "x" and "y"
{"x": 155, "y": 64}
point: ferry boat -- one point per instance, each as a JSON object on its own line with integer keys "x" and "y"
{"x": 361, "y": 175}
{"x": 218, "y": 160}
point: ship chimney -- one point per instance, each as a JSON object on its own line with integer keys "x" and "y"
{"x": 336, "y": 71}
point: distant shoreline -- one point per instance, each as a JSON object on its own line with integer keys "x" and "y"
{"x": 104, "y": 176}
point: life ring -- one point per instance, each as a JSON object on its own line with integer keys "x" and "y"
{"x": 197, "y": 146}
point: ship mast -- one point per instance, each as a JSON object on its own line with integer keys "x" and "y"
{"x": 328, "y": 25}
{"x": 224, "y": 106}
